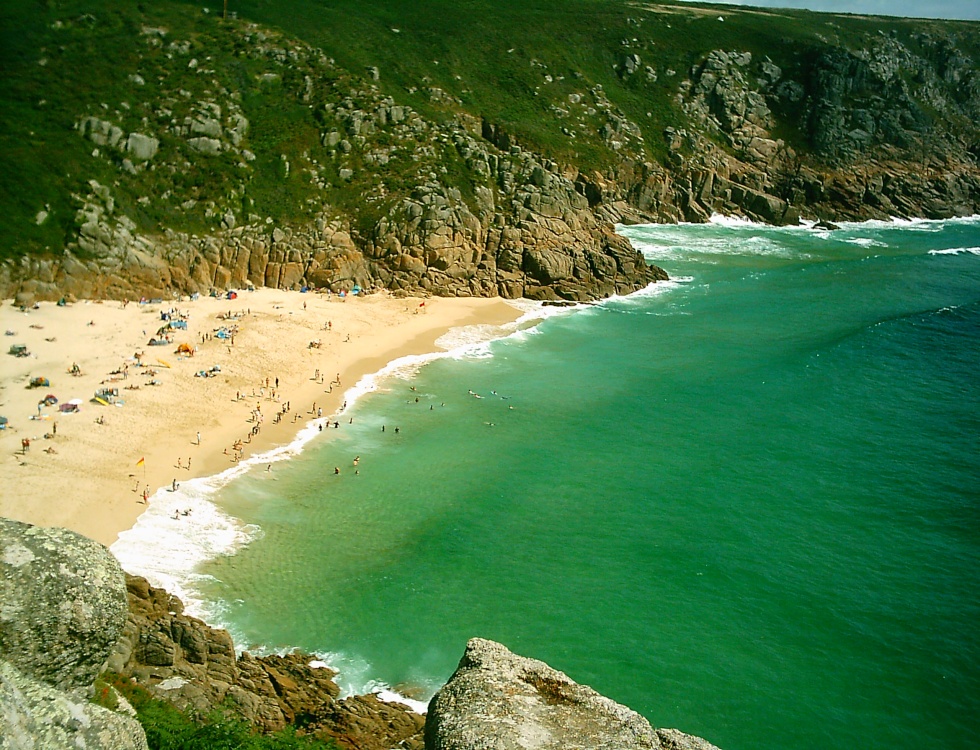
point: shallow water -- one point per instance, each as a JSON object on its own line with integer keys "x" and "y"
{"x": 745, "y": 505}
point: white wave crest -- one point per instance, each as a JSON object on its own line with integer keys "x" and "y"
{"x": 179, "y": 530}
{"x": 733, "y": 221}
{"x": 956, "y": 251}
{"x": 866, "y": 242}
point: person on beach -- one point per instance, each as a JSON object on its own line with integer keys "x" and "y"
{"x": 199, "y": 438}
{"x": 174, "y": 485}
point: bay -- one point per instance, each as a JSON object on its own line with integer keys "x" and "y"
{"x": 744, "y": 503}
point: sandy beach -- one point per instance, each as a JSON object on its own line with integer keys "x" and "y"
{"x": 162, "y": 422}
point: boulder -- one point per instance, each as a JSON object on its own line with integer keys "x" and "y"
{"x": 142, "y": 147}
{"x": 63, "y": 607}
{"x": 205, "y": 145}
{"x": 64, "y": 603}
{"x": 497, "y": 700}
{"x": 35, "y": 715}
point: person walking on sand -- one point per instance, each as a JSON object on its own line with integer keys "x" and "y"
{"x": 199, "y": 438}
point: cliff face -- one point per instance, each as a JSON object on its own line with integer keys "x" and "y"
{"x": 221, "y": 153}
{"x": 865, "y": 147}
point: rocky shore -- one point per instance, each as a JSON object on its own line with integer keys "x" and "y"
{"x": 70, "y": 612}
{"x": 178, "y": 190}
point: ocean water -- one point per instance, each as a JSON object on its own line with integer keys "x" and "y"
{"x": 745, "y": 503}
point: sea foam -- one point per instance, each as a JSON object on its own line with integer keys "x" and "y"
{"x": 182, "y": 527}
{"x": 956, "y": 251}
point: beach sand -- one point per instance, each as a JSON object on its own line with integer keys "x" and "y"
{"x": 82, "y": 470}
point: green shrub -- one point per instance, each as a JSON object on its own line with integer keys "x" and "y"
{"x": 168, "y": 728}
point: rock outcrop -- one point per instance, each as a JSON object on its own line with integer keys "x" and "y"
{"x": 62, "y": 607}
{"x": 182, "y": 660}
{"x": 497, "y": 700}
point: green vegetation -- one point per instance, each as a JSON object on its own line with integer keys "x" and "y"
{"x": 549, "y": 73}
{"x": 170, "y": 729}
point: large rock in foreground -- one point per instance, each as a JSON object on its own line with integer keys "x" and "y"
{"x": 497, "y": 700}
{"x": 36, "y": 716}
{"x": 62, "y": 608}
{"x": 64, "y": 603}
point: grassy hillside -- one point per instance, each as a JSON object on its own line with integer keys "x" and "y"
{"x": 546, "y": 72}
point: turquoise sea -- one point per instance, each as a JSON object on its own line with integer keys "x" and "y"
{"x": 745, "y": 503}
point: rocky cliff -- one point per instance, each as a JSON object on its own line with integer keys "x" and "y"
{"x": 182, "y": 660}
{"x": 181, "y": 152}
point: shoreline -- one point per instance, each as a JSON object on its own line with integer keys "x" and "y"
{"x": 87, "y": 476}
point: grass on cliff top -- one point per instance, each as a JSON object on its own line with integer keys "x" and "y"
{"x": 494, "y": 55}
{"x": 168, "y": 728}
{"x": 514, "y": 62}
